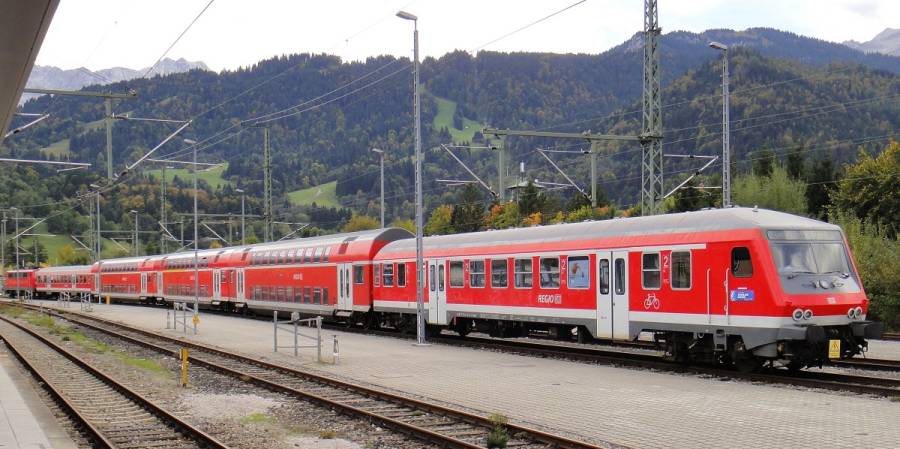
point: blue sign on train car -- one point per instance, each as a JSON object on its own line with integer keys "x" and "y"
{"x": 742, "y": 295}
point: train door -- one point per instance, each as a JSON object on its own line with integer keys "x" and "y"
{"x": 604, "y": 295}
{"x": 159, "y": 285}
{"x": 437, "y": 291}
{"x": 217, "y": 284}
{"x": 239, "y": 285}
{"x": 143, "y": 284}
{"x": 97, "y": 284}
{"x": 620, "y": 294}
{"x": 345, "y": 286}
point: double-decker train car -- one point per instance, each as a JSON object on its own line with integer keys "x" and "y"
{"x": 737, "y": 285}
{"x": 75, "y": 279}
{"x": 20, "y": 282}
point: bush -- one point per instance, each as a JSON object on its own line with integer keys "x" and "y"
{"x": 498, "y": 436}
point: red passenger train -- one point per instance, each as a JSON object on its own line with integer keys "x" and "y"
{"x": 734, "y": 285}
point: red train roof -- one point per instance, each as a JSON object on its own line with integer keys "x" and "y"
{"x": 737, "y": 218}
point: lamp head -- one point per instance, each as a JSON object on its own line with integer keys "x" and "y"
{"x": 376, "y": 150}
{"x": 189, "y": 141}
{"x": 718, "y": 46}
{"x": 407, "y": 16}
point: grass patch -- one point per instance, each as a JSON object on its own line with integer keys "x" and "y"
{"x": 323, "y": 195}
{"x": 11, "y": 311}
{"x": 212, "y": 176}
{"x": 444, "y": 118}
{"x": 257, "y": 418}
{"x": 59, "y": 148}
{"x": 327, "y": 434}
{"x": 140, "y": 363}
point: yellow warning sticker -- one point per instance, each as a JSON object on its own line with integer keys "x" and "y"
{"x": 834, "y": 349}
{"x": 196, "y": 320}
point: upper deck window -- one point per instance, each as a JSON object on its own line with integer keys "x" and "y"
{"x": 457, "y": 274}
{"x": 549, "y": 272}
{"x": 681, "y": 270}
{"x": 650, "y": 272}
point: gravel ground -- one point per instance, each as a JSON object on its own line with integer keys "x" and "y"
{"x": 238, "y": 414}
{"x": 65, "y": 423}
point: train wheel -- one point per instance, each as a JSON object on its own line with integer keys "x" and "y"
{"x": 462, "y": 327}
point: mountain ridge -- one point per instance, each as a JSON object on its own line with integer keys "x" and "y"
{"x": 51, "y": 77}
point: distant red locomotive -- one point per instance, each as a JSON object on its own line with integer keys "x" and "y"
{"x": 733, "y": 285}
{"x": 20, "y": 282}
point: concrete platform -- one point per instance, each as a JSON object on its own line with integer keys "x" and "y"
{"x": 25, "y": 421}
{"x": 595, "y": 403}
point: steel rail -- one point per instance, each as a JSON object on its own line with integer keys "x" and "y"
{"x": 537, "y": 436}
{"x": 173, "y": 421}
{"x": 93, "y": 434}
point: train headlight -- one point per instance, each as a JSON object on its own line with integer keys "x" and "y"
{"x": 851, "y": 313}
{"x": 807, "y": 314}
{"x": 857, "y": 313}
{"x": 797, "y": 315}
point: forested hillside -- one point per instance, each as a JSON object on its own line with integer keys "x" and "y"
{"x": 789, "y": 92}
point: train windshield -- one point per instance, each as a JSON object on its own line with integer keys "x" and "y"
{"x": 794, "y": 258}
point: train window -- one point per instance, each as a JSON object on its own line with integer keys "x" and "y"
{"x": 681, "y": 270}
{"x": 523, "y": 269}
{"x": 292, "y": 256}
{"x": 326, "y": 254}
{"x": 476, "y": 273}
{"x": 401, "y": 274}
{"x": 298, "y": 295}
{"x": 325, "y": 295}
{"x": 317, "y": 295}
{"x": 457, "y": 274}
{"x": 272, "y": 294}
{"x": 578, "y": 275}
{"x": 388, "y": 275}
{"x": 280, "y": 296}
{"x": 549, "y": 272}
{"x": 650, "y": 277}
{"x": 431, "y": 281}
{"x": 317, "y": 256}
{"x": 306, "y": 295}
{"x": 307, "y": 255}
{"x": 620, "y": 276}
{"x": 499, "y": 273}
{"x": 741, "y": 264}
{"x": 358, "y": 276}
{"x": 377, "y": 271}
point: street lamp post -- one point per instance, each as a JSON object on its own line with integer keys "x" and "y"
{"x": 137, "y": 241}
{"x": 726, "y": 151}
{"x": 16, "y": 245}
{"x": 381, "y": 155}
{"x": 241, "y": 191}
{"x": 194, "y": 145}
{"x": 420, "y": 271}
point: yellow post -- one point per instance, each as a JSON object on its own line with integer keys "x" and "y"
{"x": 107, "y": 299}
{"x": 184, "y": 367}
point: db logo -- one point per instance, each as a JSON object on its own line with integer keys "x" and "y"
{"x": 651, "y": 301}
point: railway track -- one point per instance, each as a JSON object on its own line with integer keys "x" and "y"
{"x": 437, "y": 424}
{"x": 891, "y": 336}
{"x": 830, "y": 381}
{"x": 109, "y": 414}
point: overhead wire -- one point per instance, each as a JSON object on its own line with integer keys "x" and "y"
{"x": 183, "y": 32}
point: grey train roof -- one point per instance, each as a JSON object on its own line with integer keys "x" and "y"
{"x": 699, "y": 221}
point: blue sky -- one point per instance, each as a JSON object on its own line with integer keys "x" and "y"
{"x": 233, "y": 33}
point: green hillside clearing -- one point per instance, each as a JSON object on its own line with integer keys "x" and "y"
{"x": 322, "y": 195}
